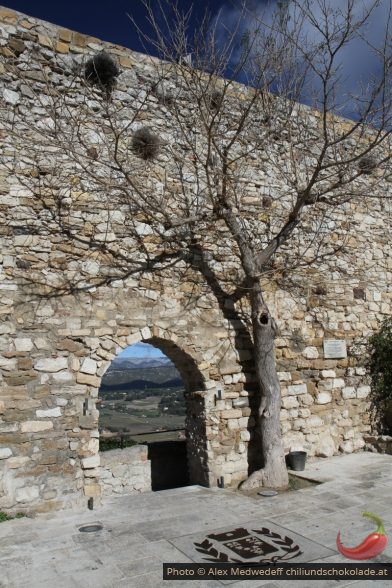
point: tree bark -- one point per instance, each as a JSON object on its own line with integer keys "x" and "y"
{"x": 274, "y": 471}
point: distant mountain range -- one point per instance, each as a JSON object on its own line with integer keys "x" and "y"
{"x": 130, "y": 375}
{"x": 131, "y": 363}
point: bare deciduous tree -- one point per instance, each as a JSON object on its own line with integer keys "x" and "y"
{"x": 180, "y": 184}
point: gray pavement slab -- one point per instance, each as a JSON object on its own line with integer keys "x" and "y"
{"x": 140, "y": 532}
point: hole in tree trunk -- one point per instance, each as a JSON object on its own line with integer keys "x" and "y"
{"x": 263, "y": 318}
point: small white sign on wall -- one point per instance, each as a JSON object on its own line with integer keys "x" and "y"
{"x": 335, "y": 349}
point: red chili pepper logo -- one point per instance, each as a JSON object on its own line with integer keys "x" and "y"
{"x": 370, "y": 547}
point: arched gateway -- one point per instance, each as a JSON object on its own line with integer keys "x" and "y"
{"x": 195, "y": 428}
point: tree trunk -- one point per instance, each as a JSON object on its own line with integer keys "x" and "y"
{"x": 274, "y": 471}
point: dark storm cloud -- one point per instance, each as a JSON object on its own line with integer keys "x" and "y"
{"x": 358, "y": 64}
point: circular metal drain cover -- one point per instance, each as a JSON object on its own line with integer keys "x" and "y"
{"x": 268, "y": 493}
{"x": 90, "y": 528}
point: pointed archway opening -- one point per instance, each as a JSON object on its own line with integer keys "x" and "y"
{"x": 151, "y": 395}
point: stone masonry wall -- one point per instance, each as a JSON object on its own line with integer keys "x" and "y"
{"x": 55, "y": 350}
{"x": 125, "y": 471}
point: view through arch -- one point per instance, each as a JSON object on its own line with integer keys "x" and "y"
{"x": 142, "y": 401}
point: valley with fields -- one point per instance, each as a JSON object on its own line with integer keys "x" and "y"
{"x": 144, "y": 398}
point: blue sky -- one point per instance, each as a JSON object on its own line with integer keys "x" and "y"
{"x": 106, "y": 20}
{"x": 143, "y": 350}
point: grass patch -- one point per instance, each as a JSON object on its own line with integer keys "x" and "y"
{"x": 5, "y": 517}
{"x": 115, "y": 443}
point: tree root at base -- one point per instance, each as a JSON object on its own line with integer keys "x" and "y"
{"x": 254, "y": 481}
{"x": 261, "y": 478}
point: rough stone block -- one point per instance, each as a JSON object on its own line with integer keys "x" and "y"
{"x": 87, "y": 379}
{"x": 339, "y": 383}
{"x": 62, "y": 47}
{"x": 348, "y": 392}
{"x": 8, "y": 15}
{"x": 346, "y": 447}
{"x": 69, "y": 345}
{"x": 35, "y": 426}
{"x": 126, "y": 61}
{"x": 363, "y": 391}
{"x": 7, "y": 364}
{"x": 49, "y": 495}
{"x": 233, "y": 424}
{"x": 10, "y": 96}
{"x": 24, "y": 363}
{"x": 310, "y": 353}
{"x": 79, "y": 39}
{"x": 326, "y": 385}
{"x": 51, "y": 364}
{"x": 20, "y": 378}
{"x": 92, "y": 461}
{"x": 299, "y": 424}
{"x": 325, "y": 447}
{"x": 89, "y": 366}
{"x": 134, "y": 338}
{"x": 92, "y": 473}
{"x": 245, "y": 436}
{"x": 146, "y": 333}
{"x": 5, "y": 452}
{"x": 323, "y": 398}
{"x": 87, "y": 421}
{"x": 358, "y": 444}
{"x": 50, "y": 412}
{"x": 45, "y": 41}
{"x": 304, "y": 412}
{"x": 328, "y": 373}
{"x": 63, "y": 377}
{"x": 289, "y": 402}
{"x": 18, "y": 462}
{"x": 243, "y": 422}
{"x": 233, "y": 413}
{"x": 284, "y": 376}
{"x": 27, "y": 494}
{"x": 65, "y": 35}
{"x": 92, "y": 490}
{"x": 296, "y": 389}
{"x": 24, "y": 344}
{"x": 314, "y": 422}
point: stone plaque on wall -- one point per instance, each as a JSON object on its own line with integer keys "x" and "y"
{"x": 334, "y": 349}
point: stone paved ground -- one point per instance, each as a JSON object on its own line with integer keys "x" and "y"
{"x": 142, "y": 531}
